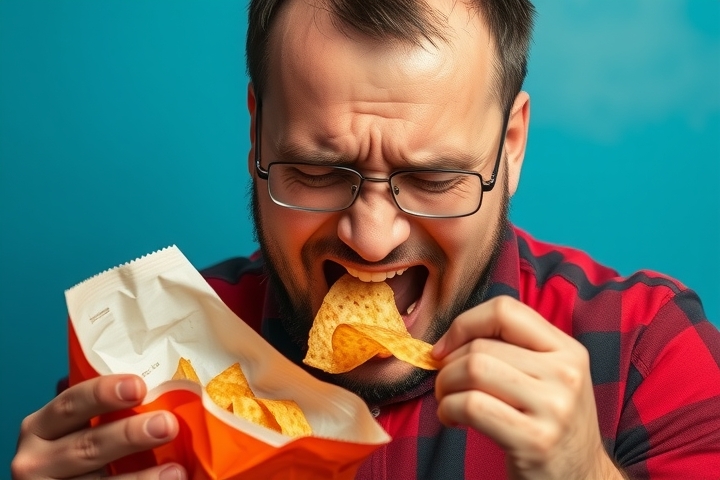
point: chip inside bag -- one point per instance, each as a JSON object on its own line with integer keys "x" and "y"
{"x": 244, "y": 410}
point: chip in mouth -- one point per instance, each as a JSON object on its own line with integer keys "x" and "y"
{"x": 357, "y": 321}
{"x": 407, "y": 284}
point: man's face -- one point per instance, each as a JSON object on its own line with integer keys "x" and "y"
{"x": 380, "y": 106}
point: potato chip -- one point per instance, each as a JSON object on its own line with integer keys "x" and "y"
{"x": 288, "y": 416}
{"x": 252, "y": 409}
{"x": 229, "y": 384}
{"x": 376, "y": 325}
{"x": 231, "y": 391}
{"x": 185, "y": 371}
{"x": 408, "y": 349}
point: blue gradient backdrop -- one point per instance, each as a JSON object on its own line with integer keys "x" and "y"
{"x": 123, "y": 130}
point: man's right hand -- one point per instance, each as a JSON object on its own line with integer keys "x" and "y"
{"x": 57, "y": 441}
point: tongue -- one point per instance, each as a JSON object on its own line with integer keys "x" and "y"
{"x": 407, "y": 288}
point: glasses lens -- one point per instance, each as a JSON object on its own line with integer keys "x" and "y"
{"x": 312, "y": 187}
{"x": 437, "y": 193}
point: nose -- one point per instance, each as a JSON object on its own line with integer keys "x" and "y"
{"x": 373, "y": 226}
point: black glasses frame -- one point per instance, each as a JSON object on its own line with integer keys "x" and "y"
{"x": 486, "y": 186}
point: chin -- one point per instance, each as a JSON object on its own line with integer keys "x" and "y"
{"x": 380, "y": 380}
{"x": 380, "y": 369}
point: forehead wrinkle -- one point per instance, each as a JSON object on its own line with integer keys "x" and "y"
{"x": 375, "y": 141}
{"x": 287, "y": 151}
{"x": 399, "y": 141}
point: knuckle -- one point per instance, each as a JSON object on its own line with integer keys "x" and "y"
{"x": 21, "y": 466}
{"x": 26, "y": 426}
{"x": 65, "y": 404}
{"x": 133, "y": 431}
{"x": 476, "y": 346}
{"x": 570, "y": 376}
{"x": 98, "y": 392}
{"x": 470, "y": 407}
{"x": 87, "y": 446}
{"x": 544, "y": 440}
{"x": 503, "y": 306}
{"x": 477, "y": 367}
{"x": 461, "y": 326}
{"x": 71, "y": 403}
{"x": 560, "y": 408}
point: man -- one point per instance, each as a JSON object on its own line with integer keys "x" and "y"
{"x": 388, "y": 137}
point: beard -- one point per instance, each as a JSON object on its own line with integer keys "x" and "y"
{"x": 296, "y": 313}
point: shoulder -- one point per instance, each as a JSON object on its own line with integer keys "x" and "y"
{"x": 231, "y": 270}
{"x": 643, "y": 315}
{"x": 240, "y": 282}
{"x": 566, "y": 279}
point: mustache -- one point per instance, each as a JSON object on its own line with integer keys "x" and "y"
{"x": 405, "y": 253}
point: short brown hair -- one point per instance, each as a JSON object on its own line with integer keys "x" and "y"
{"x": 509, "y": 22}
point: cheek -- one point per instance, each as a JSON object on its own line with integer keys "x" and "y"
{"x": 286, "y": 230}
{"x": 285, "y": 233}
{"x": 467, "y": 244}
{"x": 463, "y": 242}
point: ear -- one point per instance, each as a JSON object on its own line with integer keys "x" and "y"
{"x": 516, "y": 139}
{"x": 251, "y": 105}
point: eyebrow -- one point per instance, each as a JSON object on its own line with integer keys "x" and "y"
{"x": 460, "y": 161}
{"x": 295, "y": 153}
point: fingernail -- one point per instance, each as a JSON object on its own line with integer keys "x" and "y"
{"x": 128, "y": 390}
{"x": 171, "y": 473}
{"x": 157, "y": 426}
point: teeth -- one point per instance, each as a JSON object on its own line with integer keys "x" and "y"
{"x": 378, "y": 276}
{"x": 374, "y": 276}
{"x": 411, "y": 308}
{"x": 365, "y": 276}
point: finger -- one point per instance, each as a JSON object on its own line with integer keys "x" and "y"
{"x": 97, "y": 474}
{"x": 171, "y": 471}
{"x": 73, "y": 408}
{"x": 527, "y": 361}
{"x": 488, "y": 415}
{"x": 92, "y": 448}
{"x": 503, "y": 318}
{"x": 492, "y": 376}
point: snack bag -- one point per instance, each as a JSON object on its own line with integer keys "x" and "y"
{"x": 158, "y": 318}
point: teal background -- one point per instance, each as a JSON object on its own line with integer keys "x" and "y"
{"x": 123, "y": 130}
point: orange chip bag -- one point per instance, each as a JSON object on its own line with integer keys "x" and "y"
{"x": 357, "y": 321}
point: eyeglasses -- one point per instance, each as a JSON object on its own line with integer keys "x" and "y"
{"x": 432, "y": 193}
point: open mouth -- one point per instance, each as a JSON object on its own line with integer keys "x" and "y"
{"x": 407, "y": 286}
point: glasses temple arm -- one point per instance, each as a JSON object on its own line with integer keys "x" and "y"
{"x": 487, "y": 186}
{"x": 262, "y": 173}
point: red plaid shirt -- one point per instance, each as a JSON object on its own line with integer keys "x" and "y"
{"x": 655, "y": 366}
